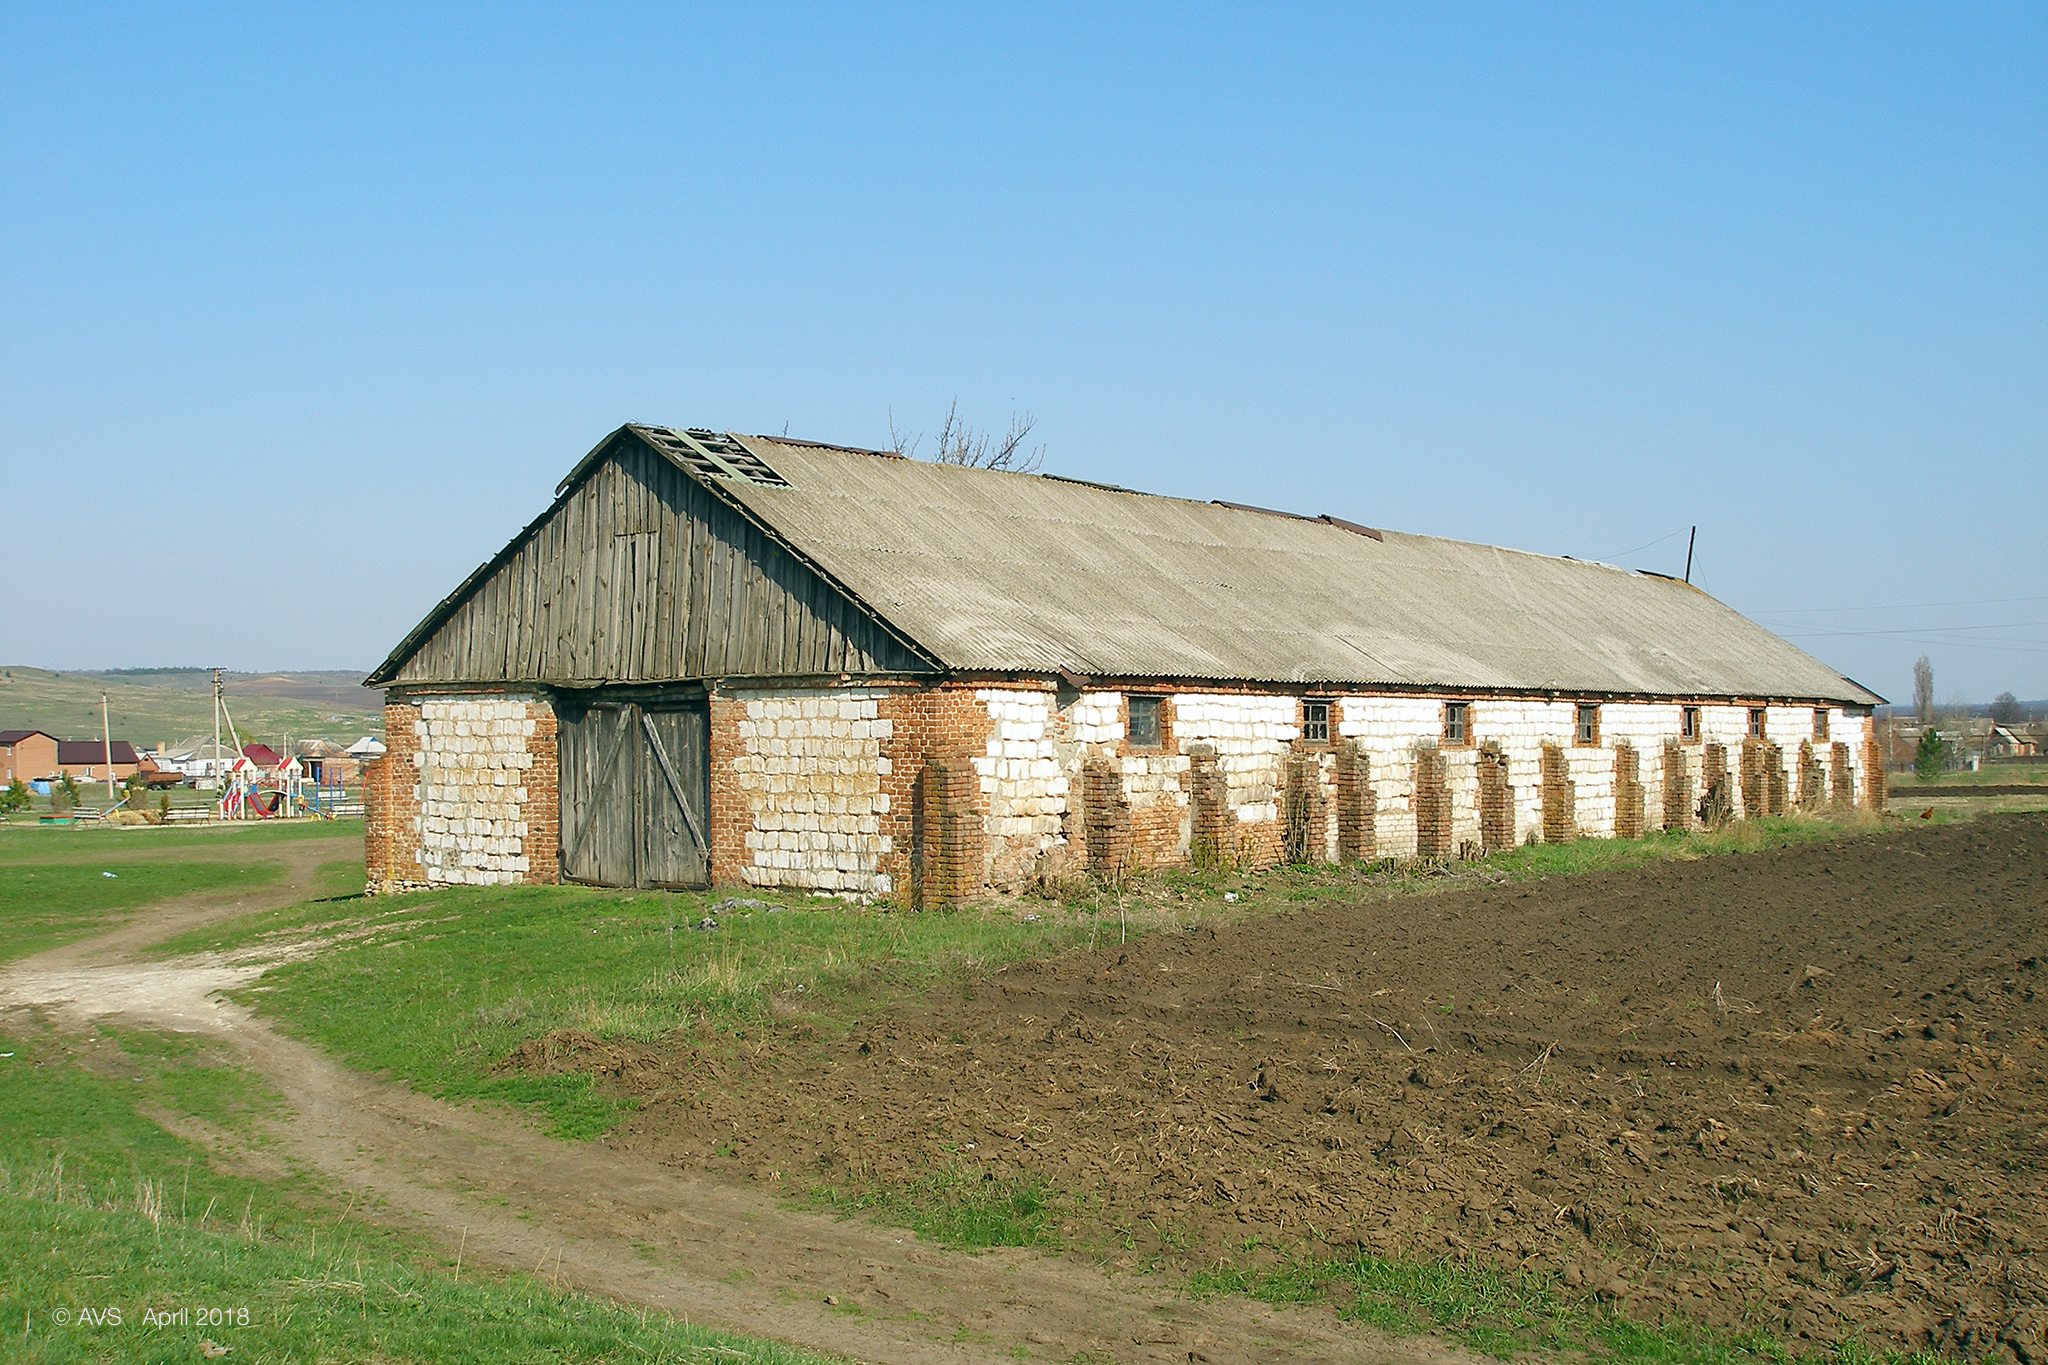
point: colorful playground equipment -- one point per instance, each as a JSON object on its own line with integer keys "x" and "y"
{"x": 255, "y": 791}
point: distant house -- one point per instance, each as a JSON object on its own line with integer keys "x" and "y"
{"x": 87, "y": 759}
{"x": 197, "y": 757}
{"x": 2011, "y": 741}
{"x": 26, "y": 755}
{"x": 327, "y": 763}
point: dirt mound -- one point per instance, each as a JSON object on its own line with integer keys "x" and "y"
{"x": 1801, "y": 1090}
{"x": 572, "y": 1051}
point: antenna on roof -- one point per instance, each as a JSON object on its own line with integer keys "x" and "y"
{"x": 1688, "y": 552}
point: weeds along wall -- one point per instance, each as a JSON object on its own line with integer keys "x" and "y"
{"x": 917, "y": 793}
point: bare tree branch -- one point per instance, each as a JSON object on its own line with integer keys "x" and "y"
{"x": 961, "y": 444}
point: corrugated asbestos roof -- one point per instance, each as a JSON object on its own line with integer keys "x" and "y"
{"x": 1023, "y": 573}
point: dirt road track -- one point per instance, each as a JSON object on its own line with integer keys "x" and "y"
{"x": 637, "y": 1231}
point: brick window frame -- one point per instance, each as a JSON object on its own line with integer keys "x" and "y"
{"x": 1586, "y": 725}
{"x": 1820, "y": 724}
{"x": 1456, "y": 729}
{"x": 1759, "y": 722}
{"x": 1690, "y": 730}
{"x": 1308, "y": 722}
{"x": 1165, "y": 712}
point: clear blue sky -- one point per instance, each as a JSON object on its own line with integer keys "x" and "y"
{"x": 303, "y": 315}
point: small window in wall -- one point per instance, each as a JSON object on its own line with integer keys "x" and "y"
{"x": 1689, "y": 724}
{"x": 1589, "y": 724}
{"x": 1820, "y": 722}
{"x": 1756, "y": 722}
{"x": 1144, "y": 727}
{"x": 1457, "y": 718}
{"x": 1315, "y": 722}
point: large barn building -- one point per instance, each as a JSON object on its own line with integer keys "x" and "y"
{"x": 754, "y": 661}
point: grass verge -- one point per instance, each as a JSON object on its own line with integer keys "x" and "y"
{"x": 958, "y": 1206}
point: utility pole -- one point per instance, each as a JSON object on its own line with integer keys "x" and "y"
{"x": 107, "y": 745}
{"x": 213, "y": 759}
{"x": 1688, "y": 552}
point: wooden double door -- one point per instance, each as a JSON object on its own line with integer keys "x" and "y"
{"x": 635, "y": 780}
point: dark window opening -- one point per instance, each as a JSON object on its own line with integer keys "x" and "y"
{"x": 1689, "y": 723}
{"x": 1820, "y": 722}
{"x": 1589, "y": 725}
{"x": 1455, "y": 728}
{"x": 1756, "y": 722}
{"x": 1144, "y": 726}
{"x": 1315, "y": 722}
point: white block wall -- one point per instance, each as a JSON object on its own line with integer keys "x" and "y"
{"x": 1021, "y": 777}
{"x": 810, "y": 769}
{"x": 472, "y": 761}
{"x": 1251, "y": 735}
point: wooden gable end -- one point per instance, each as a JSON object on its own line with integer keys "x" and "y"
{"x": 641, "y": 574}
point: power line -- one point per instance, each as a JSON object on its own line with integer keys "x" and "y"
{"x": 1915, "y": 630}
{"x": 1609, "y": 559}
{"x": 1901, "y": 606}
{"x": 1955, "y": 644}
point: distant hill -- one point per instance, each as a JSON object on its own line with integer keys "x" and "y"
{"x": 151, "y": 706}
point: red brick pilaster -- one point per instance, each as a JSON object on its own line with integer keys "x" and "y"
{"x": 1357, "y": 839}
{"x": 947, "y": 855}
{"x": 541, "y": 812}
{"x": 730, "y": 819}
{"x": 1678, "y": 798}
{"x": 1208, "y": 809}
{"x": 1107, "y": 818}
{"x": 1628, "y": 792}
{"x": 1560, "y": 798}
{"x": 391, "y": 806}
{"x": 1496, "y": 800}
{"x": 1433, "y": 836}
{"x": 1873, "y": 774}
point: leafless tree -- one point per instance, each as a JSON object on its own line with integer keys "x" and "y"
{"x": 962, "y": 445}
{"x": 2006, "y": 709}
{"x": 1923, "y": 690}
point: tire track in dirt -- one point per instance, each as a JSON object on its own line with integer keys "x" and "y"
{"x": 634, "y": 1230}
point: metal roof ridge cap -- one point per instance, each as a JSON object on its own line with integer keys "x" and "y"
{"x": 1085, "y": 483}
{"x": 803, "y": 443}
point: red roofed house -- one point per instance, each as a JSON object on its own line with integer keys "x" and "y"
{"x": 26, "y": 755}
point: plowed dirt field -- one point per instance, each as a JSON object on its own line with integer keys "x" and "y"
{"x": 1801, "y": 1090}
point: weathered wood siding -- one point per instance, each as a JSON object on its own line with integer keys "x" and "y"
{"x": 642, "y": 576}
{"x": 634, "y": 814}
